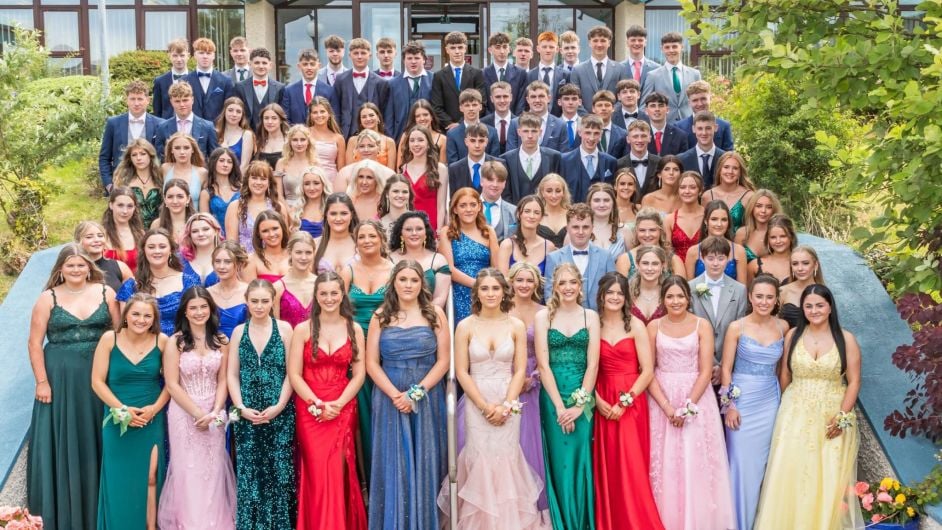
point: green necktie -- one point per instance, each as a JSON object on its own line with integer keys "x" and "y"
{"x": 604, "y": 141}
{"x": 676, "y": 81}
{"x": 529, "y": 168}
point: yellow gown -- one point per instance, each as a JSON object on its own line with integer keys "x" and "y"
{"x": 809, "y": 481}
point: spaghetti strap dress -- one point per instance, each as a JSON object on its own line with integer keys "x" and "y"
{"x": 426, "y": 198}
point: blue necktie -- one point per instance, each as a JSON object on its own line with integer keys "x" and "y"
{"x": 590, "y": 165}
{"x": 487, "y": 210}
{"x": 476, "y": 177}
{"x": 571, "y": 129}
{"x": 458, "y": 79}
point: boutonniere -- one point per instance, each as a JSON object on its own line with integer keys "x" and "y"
{"x": 703, "y": 290}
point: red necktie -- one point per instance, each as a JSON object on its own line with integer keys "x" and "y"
{"x": 260, "y": 83}
{"x": 657, "y": 141}
{"x": 503, "y": 132}
{"x": 638, "y": 71}
{"x": 359, "y": 74}
{"x": 307, "y": 94}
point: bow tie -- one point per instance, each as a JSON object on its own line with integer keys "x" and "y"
{"x": 636, "y": 163}
{"x": 384, "y": 74}
{"x": 136, "y": 120}
{"x": 715, "y": 283}
{"x": 580, "y": 252}
{"x": 263, "y": 82}
{"x": 204, "y": 74}
{"x": 359, "y": 74}
{"x": 631, "y": 115}
{"x": 178, "y": 77}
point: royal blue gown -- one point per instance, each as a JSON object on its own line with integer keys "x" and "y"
{"x": 470, "y": 257}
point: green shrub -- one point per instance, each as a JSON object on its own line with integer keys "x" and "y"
{"x": 138, "y": 64}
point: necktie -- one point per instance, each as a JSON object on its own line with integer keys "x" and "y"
{"x": 308, "y": 95}
{"x": 637, "y": 71}
{"x": 657, "y": 141}
{"x": 500, "y": 74}
{"x": 361, "y": 75}
{"x": 676, "y": 81}
{"x": 580, "y": 252}
{"x": 636, "y": 163}
{"x": 179, "y": 77}
{"x": 333, "y": 77}
{"x": 183, "y": 126}
{"x": 487, "y": 211}
{"x": 590, "y": 165}
{"x": 385, "y": 74}
{"x": 546, "y": 73}
{"x": 604, "y": 140}
{"x": 598, "y": 72}
{"x": 571, "y": 132}
{"x": 204, "y": 74}
{"x": 529, "y": 168}
{"x": 263, "y": 82}
{"x": 242, "y": 72}
{"x": 476, "y": 176}
{"x": 415, "y": 87}
{"x": 705, "y": 166}
{"x": 458, "y": 79}
{"x": 631, "y": 115}
{"x": 503, "y": 132}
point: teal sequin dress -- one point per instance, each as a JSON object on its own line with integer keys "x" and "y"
{"x": 364, "y": 305}
{"x": 265, "y": 485}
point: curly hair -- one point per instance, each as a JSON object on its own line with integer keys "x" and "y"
{"x": 310, "y": 153}
{"x": 346, "y": 312}
{"x": 257, "y": 168}
{"x": 454, "y": 222}
{"x": 506, "y": 302}
{"x": 395, "y": 233}
{"x": 390, "y": 306}
{"x": 553, "y": 304}
{"x": 239, "y": 257}
{"x": 605, "y": 283}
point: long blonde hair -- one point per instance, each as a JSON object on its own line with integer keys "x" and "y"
{"x": 554, "y": 301}
{"x": 750, "y": 222}
{"x": 634, "y": 284}
{"x": 310, "y": 154}
{"x": 650, "y": 214}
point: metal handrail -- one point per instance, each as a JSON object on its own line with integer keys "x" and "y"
{"x": 451, "y": 407}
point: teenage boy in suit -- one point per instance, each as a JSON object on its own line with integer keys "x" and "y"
{"x": 627, "y": 109}
{"x": 555, "y": 76}
{"x": 358, "y": 86}
{"x": 553, "y": 130}
{"x": 614, "y": 138}
{"x": 124, "y": 128}
{"x": 591, "y": 260}
{"x": 297, "y": 97}
{"x": 210, "y": 86}
{"x": 717, "y": 297}
{"x": 386, "y": 55}
{"x": 588, "y": 164}
{"x": 453, "y": 79}
{"x": 569, "y": 50}
{"x": 638, "y": 158}
{"x": 528, "y": 164}
{"x": 637, "y": 65}
{"x": 500, "y": 69}
{"x": 570, "y": 101}
{"x": 499, "y": 214}
{"x": 523, "y": 52}
{"x": 703, "y": 155}
{"x": 699, "y": 94}
{"x": 471, "y": 105}
{"x": 673, "y": 77}
{"x": 179, "y": 52}
{"x": 665, "y": 138}
{"x": 599, "y": 72}
{"x": 239, "y": 52}
{"x": 414, "y": 84}
{"x": 259, "y": 90}
{"x": 501, "y": 98}
{"x": 466, "y": 172}
{"x": 184, "y": 120}
{"x": 335, "y": 48}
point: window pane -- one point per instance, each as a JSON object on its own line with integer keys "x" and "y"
{"x": 62, "y": 31}
{"x": 219, "y": 26}
{"x": 122, "y": 34}
{"x": 658, "y": 22}
{"x": 511, "y": 18}
{"x": 293, "y": 37}
{"x": 162, "y": 27}
{"x": 558, "y": 21}
{"x": 60, "y": 2}
{"x": 112, "y": 3}
{"x": 381, "y": 20}
{"x": 587, "y": 19}
{"x": 13, "y": 17}
{"x": 166, "y": 2}
{"x": 61, "y": 66}
{"x": 220, "y": 3}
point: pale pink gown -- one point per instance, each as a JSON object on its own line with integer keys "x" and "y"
{"x": 327, "y": 156}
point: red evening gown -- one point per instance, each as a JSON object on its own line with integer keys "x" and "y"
{"x": 426, "y": 198}
{"x": 621, "y": 464}
{"x": 328, "y": 489}
{"x": 681, "y": 241}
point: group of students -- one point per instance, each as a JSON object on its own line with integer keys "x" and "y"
{"x": 260, "y": 341}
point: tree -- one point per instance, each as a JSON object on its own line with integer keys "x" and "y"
{"x": 863, "y": 57}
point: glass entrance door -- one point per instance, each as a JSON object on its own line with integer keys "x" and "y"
{"x": 429, "y": 23}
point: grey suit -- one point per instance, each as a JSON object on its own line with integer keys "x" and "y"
{"x": 647, "y": 66}
{"x": 732, "y": 306}
{"x": 662, "y": 80}
{"x": 584, "y": 77}
{"x": 322, "y": 76}
{"x": 231, "y": 73}
{"x": 600, "y": 262}
{"x": 508, "y": 220}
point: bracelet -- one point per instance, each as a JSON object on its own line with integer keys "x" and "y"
{"x": 581, "y": 398}
{"x": 41, "y": 381}
{"x": 689, "y": 410}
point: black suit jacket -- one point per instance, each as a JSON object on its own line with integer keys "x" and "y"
{"x": 518, "y": 184}
{"x": 516, "y": 77}
{"x": 673, "y": 142}
{"x": 444, "y": 96}
{"x": 691, "y": 162}
{"x": 246, "y": 92}
{"x": 649, "y": 184}
{"x": 492, "y": 121}
{"x": 459, "y": 174}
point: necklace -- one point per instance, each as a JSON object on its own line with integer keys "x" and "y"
{"x": 75, "y": 291}
{"x": 144, "y": 182}
{"x": 648, "y": 297}
{"x": 166, "y": 276}
{"x": 226, "y": 297}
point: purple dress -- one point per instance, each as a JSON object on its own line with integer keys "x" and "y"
{"x": 292, "y": 311}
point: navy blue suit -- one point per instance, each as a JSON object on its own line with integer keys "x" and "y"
{"x": 459, "y": 174}
{"x": 518, "y": 184}
{"x": 161, "y": 98}
{"x": 292, "y": 100}
{"x": 115, "y": 139}
{"x": 560, "y": 78}
{"x": 396, "y": 113}
{"x": 516, "y": 76}
{"x": 673, "y": 142}
{"x": 618, "y": 117}
{"x": 375, "y": 90}
{"x": 692, "y": 162}
{"x": 246, "y": 92}
{"x": 555, "y": 137}
{"x": 208, "y": 105}
{"x": 396, "y": 73}
{"x": 491, "y": 119}
{"x": 617, "y": 145}
{"x": 201, "y": 130}
{"x": 455, "y": 148}
{"x": 723, "y": 137}
{"x": 574, "y": 172}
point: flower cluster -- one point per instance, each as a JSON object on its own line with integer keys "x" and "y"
{"x": 728, "y": 396}
{"x": 846, "y": 420}
{"x": 118, "y": 416}
{"x": 581, "y": 398}
{"x": 626, "y": 399}
{"x": 15, "y": 518}
{"x": 416, "y": 393}
{"x": 514, "y": 407}
{"x": 688, "y": 411}
{"x": 887, "y": 501}
{"x": 703, "y": 290}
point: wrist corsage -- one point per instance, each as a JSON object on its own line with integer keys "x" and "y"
{"x": 728, "y": 397}
{"x": 220, "y": 419}
{"x": 846, "y": 420}
{"x": 314, "y": 407}
{"x": 514, "y": 407}
{"x": 119, "y": 416}
{"x": 416, "y": 393}
{"x": 235, "y": 414}
{"x": 581, "y": 398}
{"x": 688, "y": 411}
{"x": 626, "y": 399}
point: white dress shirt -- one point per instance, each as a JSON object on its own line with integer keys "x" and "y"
{"x": 136, "y": 125}
{"x": 641, "y": 171}
{"x": 582, "y": 260}
{"x": 595, "y": 159}
{"x": 604, "y": 65}
{"x": 185, "y": 123}
{"x": 716, "y": 289}
{"x": 495, "y": 210}
{"x": 204, "y": 81}
{"x": 700, "y": 153}
{"x": 535, "y": 159}
{"x": 551, "y": 73}
{"x": 260, "y": 91}
{"x": 360, "y": 82}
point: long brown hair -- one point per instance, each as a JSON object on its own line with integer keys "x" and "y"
{"x": 335, "y": 198}
{"x": 384, "y": 244}
{"x": 165, "y": 220}
{"x": 346, "y": 312}
{"x": 143, "y": 275}
{"x": 454, "y": 223}
{"x": 380, "y": 126}
{"x": 220, "y": 124}
{"x": 506, "y": 301}
{"x": 257, "y": 168}
{"x": 432, "y": 178}
{"x": 422, "y": 104}
{"x": 517, "y": 236}
{"x": 384, "y": 197}
{"x": 111, "y": 229}
{"x": 390, "y": 306}
{"x": 261, "y": 135}
{"x": 257, "y": 243}
{"x": 321, "y": 101}
{"x": 144, "y": 298}
{"x": 125, "y": 172}
{"x": 605, "y": 283}
{"x": 70, "y": 250}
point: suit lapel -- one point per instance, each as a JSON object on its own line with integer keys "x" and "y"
{"x": 726, "y": 295}
{"x": 706, "y": 305}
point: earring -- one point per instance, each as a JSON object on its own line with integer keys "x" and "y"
{"x": 88, "y": 276}
{"x": 61, "y": 277}
{"x": 402, "y": 246}
{"x": 423, "y": 244}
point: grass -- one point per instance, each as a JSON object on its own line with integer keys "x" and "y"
{"x": 76, "y": 201}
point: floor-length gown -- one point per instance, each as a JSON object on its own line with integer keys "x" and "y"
{"x": 409, "y": 450}
{"x": 327, "y": 158}
{"x": 425, "y": 197}
{"x": 748, "y": 446}
{"x": 126, "y": 459}
{"x": 497, "y": 489}
{"x": 65, "y": 435}
{"x": 809, "y": 481}
{"x": 200, "y": 488}
{"x": 621, "y": 459}
{"x": 531, "y": 437}
{"x": 328, "y": 489}
{"x": 689, "y": 471}
{"x": 364, "y": 305}
{"x": 265, "y": 477}
{"x": 470, "y": 257}
{"x": 569, "y": 483}
{"x": 292, "y": 310}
